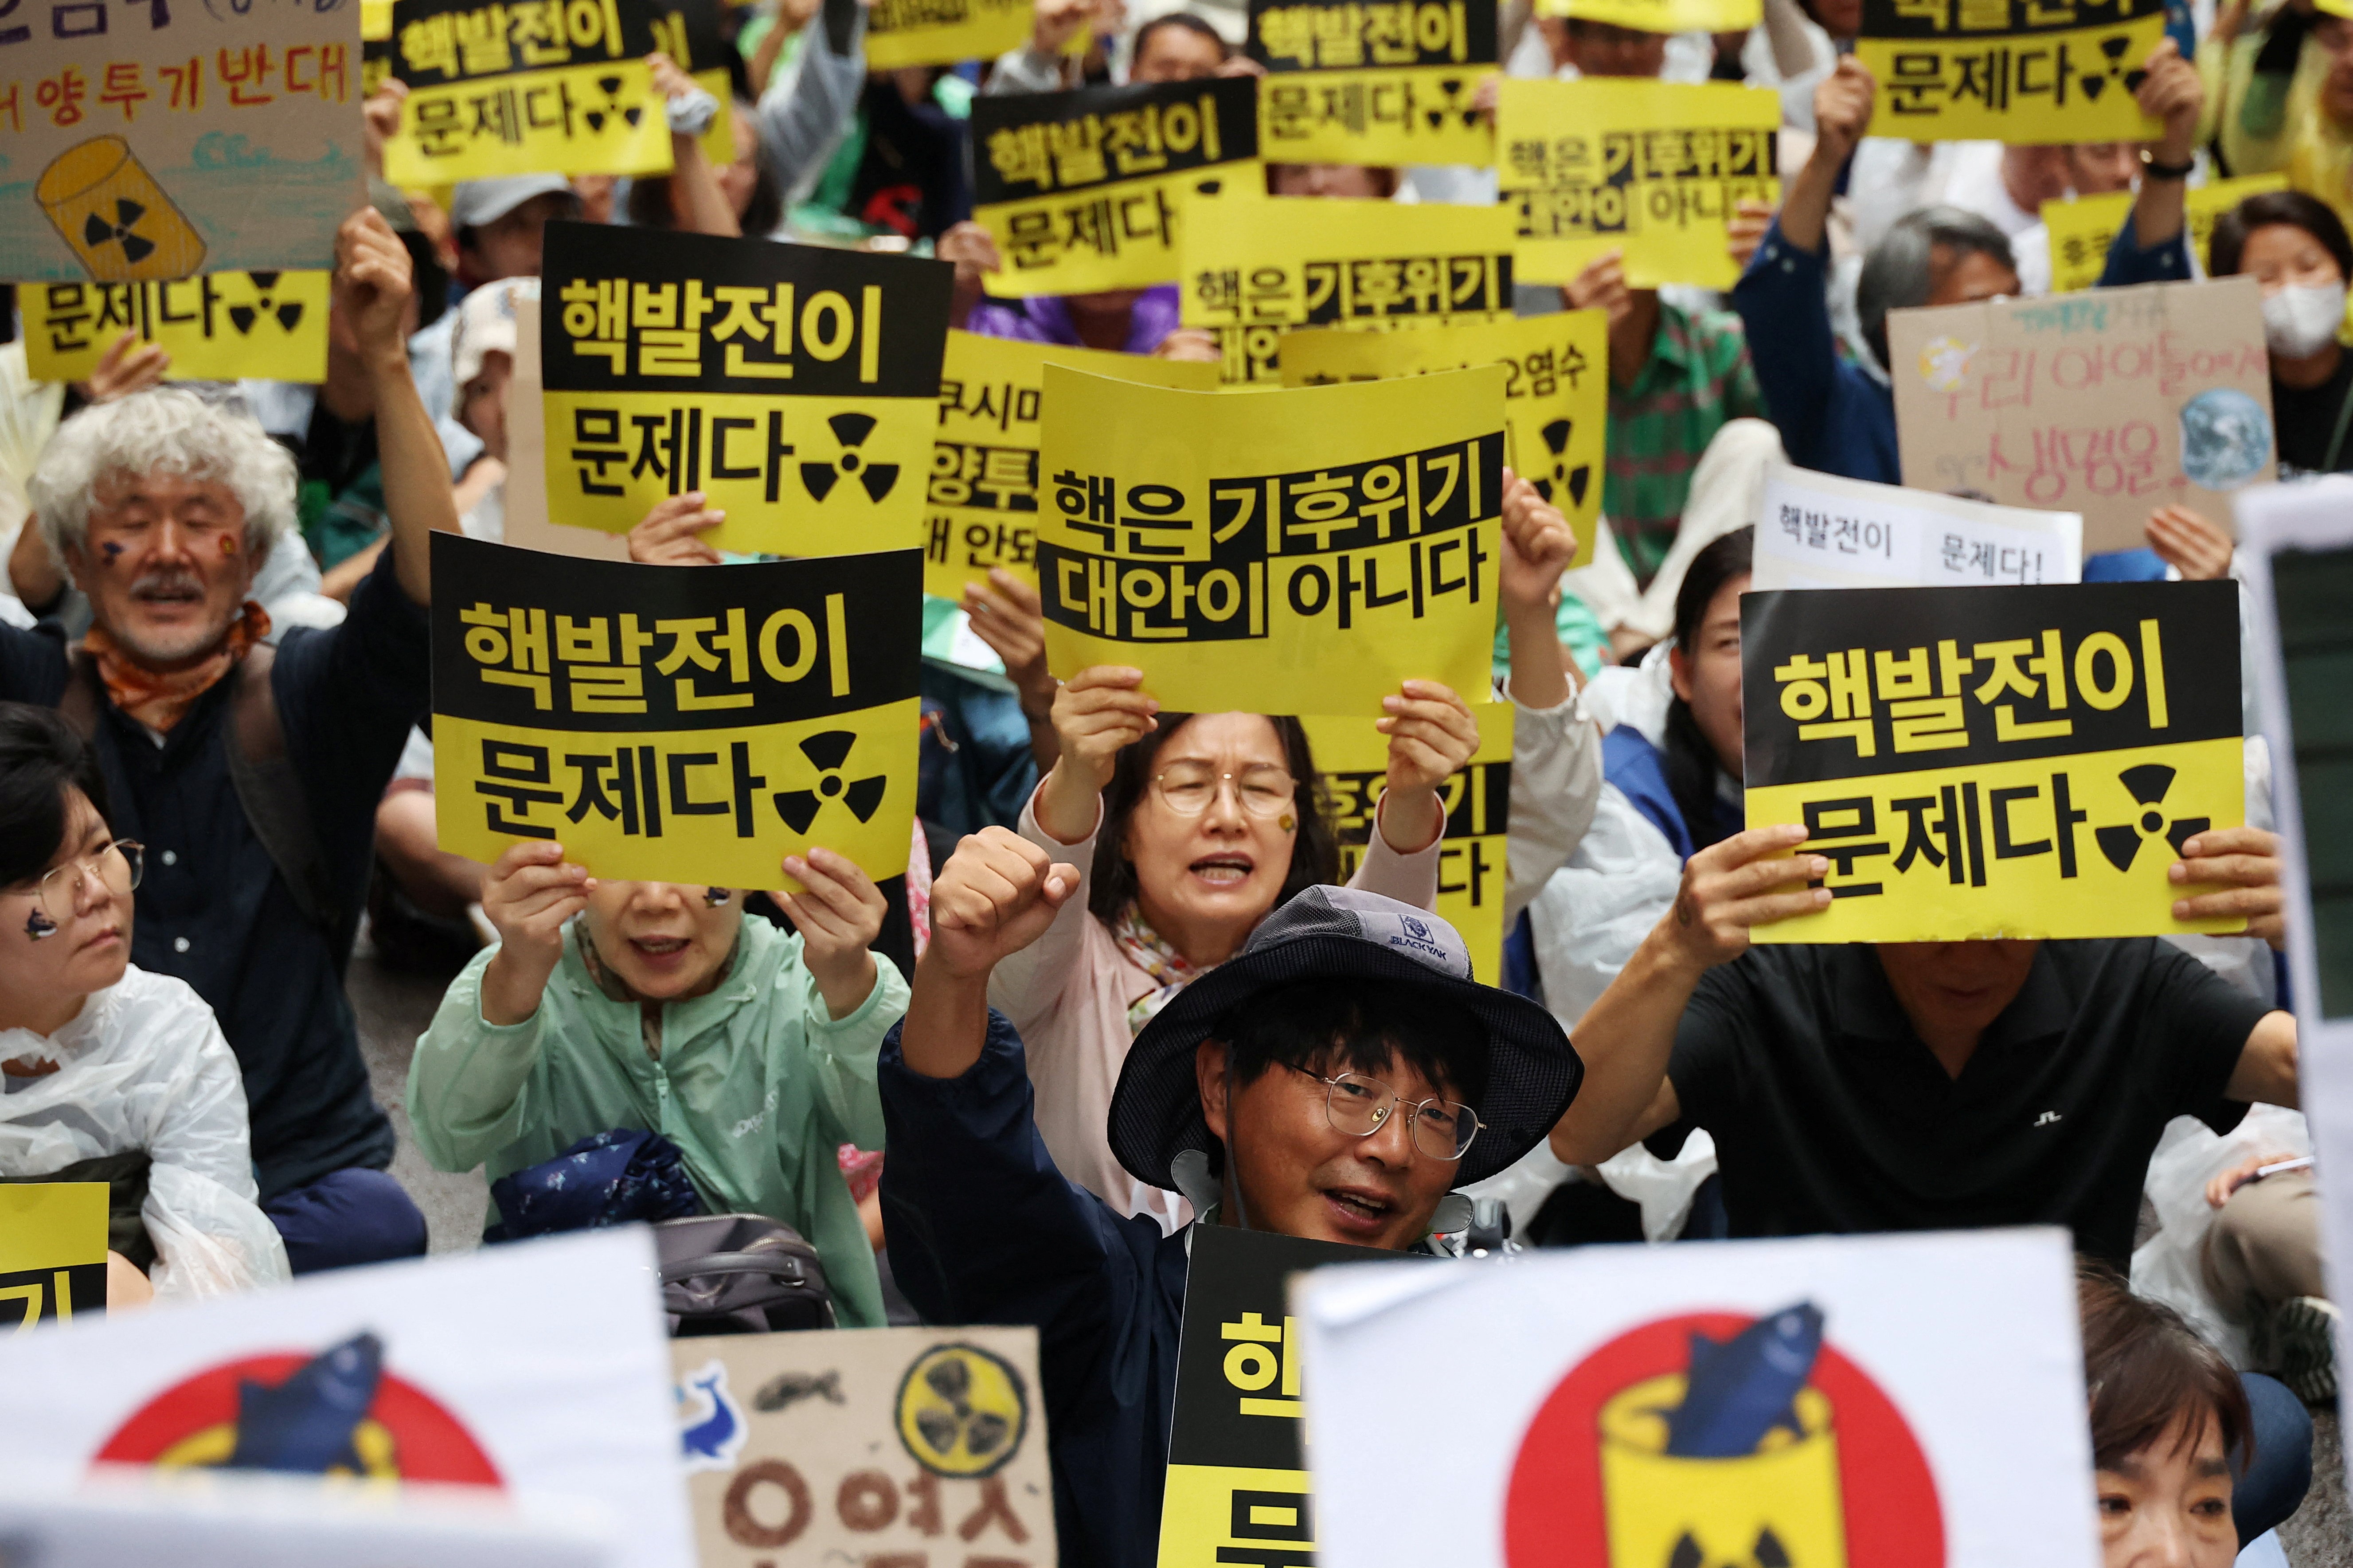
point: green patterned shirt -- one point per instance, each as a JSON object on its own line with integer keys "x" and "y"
{"x": 1698, "y": 377}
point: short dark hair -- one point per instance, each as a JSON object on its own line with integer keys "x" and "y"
{"x": 1314, "y": 854}
{"x": 2227, "y": 248}
{"x": 1327, "y": 1026}
{"x": 1901, "y": 270}
{"x": 41, "y": 758}
{"x": 2145, "y": 1369}
{"x": 1191, "y": 23}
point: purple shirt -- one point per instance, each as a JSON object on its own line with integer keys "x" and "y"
{"x": 1046, "y": 319}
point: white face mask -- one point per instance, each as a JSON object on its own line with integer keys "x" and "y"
{"x": 2302, "y": 319}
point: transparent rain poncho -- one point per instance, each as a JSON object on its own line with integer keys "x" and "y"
{"x": 144, "y": 1067}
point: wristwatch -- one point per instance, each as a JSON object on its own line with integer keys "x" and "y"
{"x": 2151, "y": 168}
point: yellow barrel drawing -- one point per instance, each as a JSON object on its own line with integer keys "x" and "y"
{"x": 1655, "y": 1501}
{"x": 115, "y": 217}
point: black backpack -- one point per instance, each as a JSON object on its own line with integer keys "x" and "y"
{"x": 739, "y": 1274}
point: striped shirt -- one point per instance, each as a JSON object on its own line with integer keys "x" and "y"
{"x": 1697, "y": 378}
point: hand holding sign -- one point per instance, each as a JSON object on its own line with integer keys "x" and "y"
{"x": 528, "y": 897}
{"x": 2173, "y": 95}
{"x": 372, "y": 284}
{"x": 125, "y": 368}
{"x": 671, "y": 534}
{"x": 1097, "y": 711}
{"x": 2243, "y": 862}
{"x": 1842, "y": 107}
{"x": 1739, "y": 882}
{"x": 838, "y": 913}
{"x": 997, "y": 895}
{"x": 1431, "y": 735}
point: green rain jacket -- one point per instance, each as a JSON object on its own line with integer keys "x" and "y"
{"x": 757, "y": 1083}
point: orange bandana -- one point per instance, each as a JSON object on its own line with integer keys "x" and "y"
{"x": 160, "y": 698}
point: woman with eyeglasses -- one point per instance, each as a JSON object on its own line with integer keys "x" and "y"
{"x": 112, "y": 1074}
{"x": 1191, "y": 828}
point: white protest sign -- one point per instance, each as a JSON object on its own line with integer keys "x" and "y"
{"x": 1632, "y": 1408}
{"x": 539, "y": 1369}
{"x": 1818, "y": 530}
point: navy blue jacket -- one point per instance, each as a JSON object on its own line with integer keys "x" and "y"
{"x": 212, "y": 909}
{"x": 983, "y": 1230}
{"x": 1834, "y": 416}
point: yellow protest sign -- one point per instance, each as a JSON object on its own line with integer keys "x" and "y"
{"x": 216, "y": 326}
{"x": 1653, "y": 169}
{"x": 901, "y": 33}
{"x": 796, "y": 386}
{"x": 1662, "y": 15}
{"x": 2082, "y": 228}
{"x": 2011, "y": 70}
{"x": 1556, "y": 391}
{"x": 52, "y": 1251}
{"x": 981, "y": 506}
{"x": 676, "y": 725}
{"x": 1352, "y": 759}
{"x": 1085, "y": 191}
{"x": 1257, "y": 266}
{"x": 1294, "y": 551}
{"x": 1993, "y": 761}
{"x": 1373, "y": 82}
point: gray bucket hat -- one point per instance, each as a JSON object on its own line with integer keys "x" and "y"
{"x": 1326, "y": 932}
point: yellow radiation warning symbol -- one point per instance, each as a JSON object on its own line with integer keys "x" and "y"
{"x": 962, "y": 1411}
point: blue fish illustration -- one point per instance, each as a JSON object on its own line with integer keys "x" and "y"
{"x": 305, "y": 1424}
{"x": 707, "y": 1440}
{"x": 1740, "y": 1389}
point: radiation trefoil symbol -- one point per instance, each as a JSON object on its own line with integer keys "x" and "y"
{"x": 1563, "y": 480}
{"x": 243, "y": 316}
{"x": 613, "y": 108}
{"x": 830, "y": 752}
{"x": 96, "y": 231}
{"x": 2148, "y": 784}
{"x": 2114, "y": 48}
{"x": 1452, "y": 88}
{"x": 962, "y": 1411}
{"x": 850, "y": 430}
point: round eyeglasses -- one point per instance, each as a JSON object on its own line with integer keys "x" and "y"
{"x": 1188, "y": 788}
{"x": 116, "y": 867}
{"x": 1361, "y": 1106}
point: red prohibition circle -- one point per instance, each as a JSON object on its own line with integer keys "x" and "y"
{"x": 430, "y": 1443}
{"x": 1553, "y": 1509}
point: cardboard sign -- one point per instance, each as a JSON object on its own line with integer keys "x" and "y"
{"x": 981, "y": 509}
{"x": 796, "y": 386}
{"x": 1388, "y": 81}
{"x": 530, "y": 89}
{"x": 1829, "y": 1400}
{"x": 1979, "y": 763}
{"x": 909, "y": 1446}
{"x": 1818, "y": 530}
{"x": 52, "y": 1252}
{"x": 216, "y": 326}
{"x": 1653, "y": 169}
{"x": 674, "y": 725}
{"x": 1662, "y": 15}
{"x": 1556, "y": 391}
{"x": 901, "y": 33}
{"x": 2111, "y": 404}
{"x": 184, "y": 139}
{"x": 1352, "y": 759}
{"x": 2083, "y": 228}
{"x": 1237, "y": 1482}
{"x": 1290, "y": 551}
{"x": 539, "y": 1372}
{"x": 1257, "y": 266}
{"x": 1085, "y": 191}
{"x": 2013, "y": 70}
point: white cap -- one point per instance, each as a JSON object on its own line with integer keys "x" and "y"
{"x": 486, "y": 324}
{"x": 480, "y": 201}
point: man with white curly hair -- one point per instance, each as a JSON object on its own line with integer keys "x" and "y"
{"x": 252, "y": 776}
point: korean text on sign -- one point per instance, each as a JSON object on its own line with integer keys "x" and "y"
{"x": 796, "y": 386}
{"x": 1351, "y": 758}
{"x": 519, "y": 86}
{"x": 1084, "y": 190}
{"x": 981, "y": 507}
{"x": 676, "y": 726}
{"x": 2106, "y": 403}
{"x": 1652, "y": 169}
{"x": 901, "y": 33}
{"x": 1556, "y": 391}
{"x": 218, "y": 326}
{"x": 1373, "y": 82}
{"x": 1994, "y": 761}
{"x": 1820, "y": 530}
{"x": 2014, "y": 70}
{"x": 2083, "y": 228}
{"x": 52, "y": 1252}
{"x": 1662, "y": 15}
{"x": 152, "y": 141}
{"x": 1256, "y": 267}
{"x": 1283, "y": 552}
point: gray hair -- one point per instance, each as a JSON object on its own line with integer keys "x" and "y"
{"x": 1901, "y": 270}
{"x": 166, "y": 430}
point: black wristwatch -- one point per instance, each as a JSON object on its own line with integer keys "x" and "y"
{"x": 2152, "y": 169}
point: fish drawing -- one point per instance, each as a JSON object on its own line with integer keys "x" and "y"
{"x": 710, "y": 1442}
{"x": 785, "y": 1391}
{"x": 1740, "y": 1389}
{"x": 305, "y": 1424}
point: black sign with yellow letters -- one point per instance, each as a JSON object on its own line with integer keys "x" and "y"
{"x": 676, "y": 725}
{"x": 1994, "y": 761}
{"x": 1374, "y": 81}
{"x": 2019, "y": 70}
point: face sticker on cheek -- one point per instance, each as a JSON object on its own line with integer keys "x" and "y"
{"x": 111, "y": 549}
{"x": 228, "y": 546}
{"x": 38, "y": 925}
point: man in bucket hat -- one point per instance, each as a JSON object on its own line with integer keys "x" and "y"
{"x": 1336, "y": 1079}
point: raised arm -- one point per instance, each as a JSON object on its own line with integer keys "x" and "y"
{"x": 2171, "y": 94}
{"x": 997, "y": 895}
{"x": 703, "y": 205}
{"x": 371, "y": 289}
